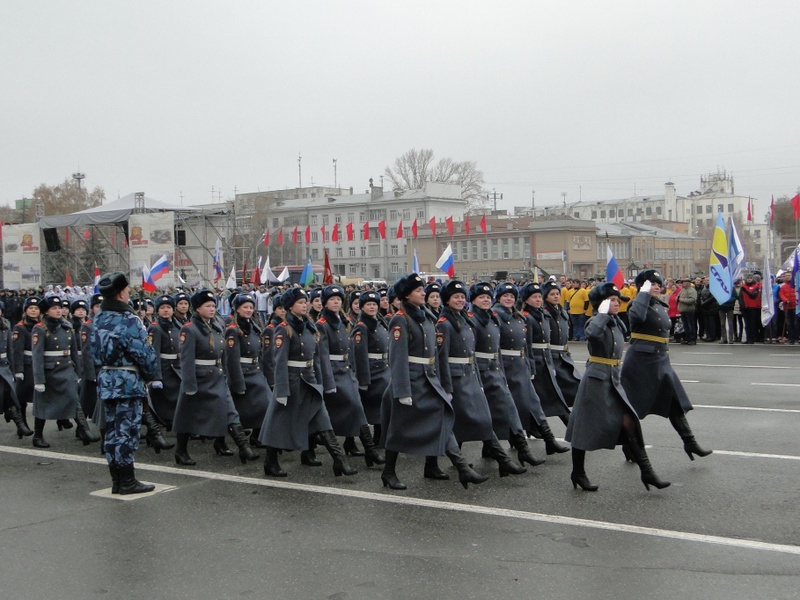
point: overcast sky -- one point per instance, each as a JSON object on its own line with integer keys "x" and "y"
{"x": 595, "y": 99}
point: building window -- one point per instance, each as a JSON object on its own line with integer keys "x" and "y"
{"x": 314, "y": 254}
{"x": 495, "y": 249}
{"x": 363, "y": 250}
{"x": 757, "y": 233}
{"x": 649, "y": 211}
{"x": 602, "y": 214}
{"x": 394, "y": 268}
{"x": 377, "y": 215}
{"x": 730, "y": 208}
{"x": 474, "y": 253}
{"x": 420, "y": 213}
{"x": 577, "y": 215}
{"x": 708, "y": 209}
{"x": 393, "y": 250}
{"x": 658, "y": 210}
{"x": 276, "y": 222}
{"x": 393, "y": 215}
{"x": 362, "y": 217}
{"x": 325, "y": 219}
{"x": 630, "y": 212}
{"x": 339, "y": 253}
{"x": 758, "y": 247}
{"x": 350, "y": 217}
{"x": 406, "y": 213}
{"x": 708, "y": 222}
{"x": 314, "y": 236}
{"x": 353, "y": 269}
{"x": 594, "y": 214}
{"x": 612, "y": 213}
{"x": 337, "y": 219}
{"x": 352, "y": 251}
{"x": 313, "y": 220}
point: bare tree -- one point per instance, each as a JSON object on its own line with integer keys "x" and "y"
{"x": 67, "y": 197}
{"x": 411, "y": 170}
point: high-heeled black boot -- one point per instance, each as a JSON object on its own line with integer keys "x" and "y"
{"x": 466, "y": 474}
{"x": 350, "y": 448}
{"x": 182, "y": 450}
{"x": 128, "y": 484}
{"x": 551, "y": 445}
{"x": 340, "y": 464}
{"x": 649, "y": 477}
{"x": 272, "y": 467}
{"x": 114, "y": 470}
{"x": 371, "y": 454}
{"x": 154, "y": 437}
{"x": 432, "y": 470}
{"x": 505, "y": 464}
{"x": 13, "y": 414}
{"x": 82, "y": 430}
{"x": 309, "y": 457}
{"x": 389, "y": 475}
{"x": 38, "y": 434}
{"x": 63, "y": 424}
{"x": 524, "y": 454}
{"x": 486, "y": 450}
{"x": 690, "y": 445}
{"x": 239, "y": 437}
{"x": 578, "y": 475}
{"x": 376, "y": 435}
{"x": 221, "y": 448}
{"x": 254, "y": 441}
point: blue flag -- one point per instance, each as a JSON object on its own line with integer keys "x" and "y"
{"x": 719, "y": 272}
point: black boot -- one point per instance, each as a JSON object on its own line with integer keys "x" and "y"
{"x": 690, "y": 445}
{"x": 154, "y": 437}
{"x": 506, "y": 465}
{"x": 82, "y": 430}
{"x": 551, "y": 445}
{"x": 626, "y": 451}
{"x": 309, "y": 457}
{"x": 221, "y": 448}
{"x": 371, "y": 454}
{"x": 38, "y": 434}
{"x": 240, "y": 439}
{"x": 103, "y": 441}
{"x": 254, "y": 442}
{"x": 649, "y": 477}
{"x": 389, "y": 475}
{"x": 13, "y": 414}
{"x": 524, "y": 454}
{"x": 376, "y": 435}
{"x": 578, "y": 475}
{"x": 128, "y": 484}
{"x": 486, "y": 450}
{"x": 350, "y": 448}
{"x": 63, "y": 424}
{"x": 465, "y": 473}
{"x": 182, "y": 451}
{"x": 114, "y": 470}
{"x": 340, "y": 465}
{"x": 271, "y": 466}
{"x": 534, "y": 430}
{"x": 432, "y": 470}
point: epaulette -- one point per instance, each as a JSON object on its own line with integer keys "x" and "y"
{"x": 87, "y": 322}
{"x": 271, "y": 325}
{"x": 232, "y": 326}
{"x": 359, "y": 323}
{"x": 525, "y": 312}
{"x": 441, "y": 320}
{"x": 494, "y": 312}
{"x": 284, "y": 323}
{"x": 469, "y": 314}
{"x": 21, "y": 323}
{"x": 399, "y": 312}
{"x": 321, "y": 320}
{"x": 187, "y": 323}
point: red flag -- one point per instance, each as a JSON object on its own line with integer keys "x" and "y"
{"x": 399, "y": 230}
{"x": 322, "y": 231}
{"x": 449, "y": 222}
{"x": 349, "y": 229}
{"x": 257, "y": 274}
{"x": 749, "y": 212}
{"x": 294, "y": 235}
{"x": 86, "y": 235}
{"x": 66, "y": 237}
{"x": 335, "y": 234}
{"x": 266, "y": 237}
{"x": 466, "y": 223}
{"x": 68, "y": 278}
{"x": 432, "y": 223}
{"x": 382, "y": 229}
{"x": 327, "y": 273}
{"x": 482, "y": 224}
{"x": 308, "y": 234}
{"x": 280, "y": 236}
{"x": 796, "y": 205}
{"x": 244, "y": 273}
{"x": 414, "y": 229}
{"x": 366, "y": 230}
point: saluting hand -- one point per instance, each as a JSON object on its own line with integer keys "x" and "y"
{"x": 606, "y": 304}
{"x": 646, "y": 286}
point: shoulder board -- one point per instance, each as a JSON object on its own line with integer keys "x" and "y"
{"x": 321, "y": 320}
{"x": 494, "y": 312}
{"x": 399, "y": 312}
{"x": 232, "y": 326}
{"x": 88, "y": 323}
{"x": 441, "y": 320}
{"x": 271, "y": 326}
{"x": 187, "y": 323}
{"x": 469, "y": 314}
{"x": 21, "y": 323}
{"x": 284, "y": 323}
{"x": 525, "y": 312}
{"x": 359, "y": 323}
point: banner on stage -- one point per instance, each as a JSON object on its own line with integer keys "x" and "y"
{"x": 152, "y": 236}
{"x": 22, "y": 256}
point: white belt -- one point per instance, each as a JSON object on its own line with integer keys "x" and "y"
{"x": 417, "y": 360}
{"x": 248, "y": 361}
{"x": 339, "y": 357}
{"x": 206, "y": 363}
{"x": 511, "y": 352}
{"x": 540, "y": 346}
{"x": 123, "y": 368}
{"x": 56, "y": 352}
{"x": 486, "y": 355}
{"x": 300, "y": 364}
{"x": 455, "y": 360}
{"x": 169, "y": 356}
{"x": 377, "y": 356}
{"x": 3, "y": 355}
{"x": 28, "y": 352}
{"x": 558, "y": 348}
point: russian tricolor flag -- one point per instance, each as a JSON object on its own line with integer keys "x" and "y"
{"x": 446, "y": 263}
{"x": 147, "y": 281}
{"x": 613, "y": 274}
{"x": 96, "y": 279}
{"x": 159, "y": 268}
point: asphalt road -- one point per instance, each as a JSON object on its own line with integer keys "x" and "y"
{"x": 728, "y": 527}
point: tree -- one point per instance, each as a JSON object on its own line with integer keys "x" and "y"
{"x": 411, "y": 170}
{"x": 65, "y": 198}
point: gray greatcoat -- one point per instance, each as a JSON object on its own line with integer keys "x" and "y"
{"x": 247, "y": 383}
{"x": 540, "y": 359}
{"x": 164, "y": 336}
{"x": 23, "y": 359}
{"x": 567, "y": 374}
{"x": 55, "y": 355}
{"x": 647, "y": 374}
{"x": 88, "y": 397}
{"x": 8, "y": 397}
{"x": 371, "y": 363}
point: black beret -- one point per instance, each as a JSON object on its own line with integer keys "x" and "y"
{"x": 292, "y": 295}
{"x": 32, "y": 301}
{"x": 602, "y": 291}
{"x": 332, "y": 291}
{"x": 407, "y": 284}
{"x": 369, "y": 296}
{"x": 165, "y": 299}
{"x": 96, "y": 299}
{"x": 505, "y": 288}
{"x": 649, "y": 275}
{"x": 451, "y": 288}
{"x": 200, "y": 297}
{"x": 181, "y": 296}
{"x": 78, "y": 304}
{"x": 548, "y": 287}
{"x": 479, "y": 289}
{"x": 112, "y": 284}
{"x": 529, "y": 290}
{"x": 431, "y": 288}
{"x": 243, "y": 299}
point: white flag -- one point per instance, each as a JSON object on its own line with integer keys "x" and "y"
{"x": 767, "y": 301}
{"x": 231, "y": 283}
{"x": 284, "y": 275}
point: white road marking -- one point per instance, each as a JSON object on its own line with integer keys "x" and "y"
{"x": 756, "y": 455}
{"x": 721, "y": 353}
{"x": 435, "y": 504}
{"x": 690, "y": 381}
{"x": 106, "y": 492}
{"x": 730, "y": 366}
{"x": 778, "y": 410}
{"x": 785, "y": 354}
{"x": 777, "y": 384}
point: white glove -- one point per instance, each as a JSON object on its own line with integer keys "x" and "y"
{"x": 157, "y": 385}
{"x": 39, "y": 387}
{"x": 533, "y": 376}
{"x": 241, "y": 393}
{"x": 363, "y": 388}
{"x": 283, "y": 400}
{"x": 20, "y": 376}
{"x": 646, "y": 286}
{"x": 190, "y": 393}
{"x": 406, "y": 401}
{"x": 605, "y": 305}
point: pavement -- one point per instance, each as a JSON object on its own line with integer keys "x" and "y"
{"x": 728, "y": 527}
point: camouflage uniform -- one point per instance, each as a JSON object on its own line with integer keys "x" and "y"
{"x": 123, "y": 360}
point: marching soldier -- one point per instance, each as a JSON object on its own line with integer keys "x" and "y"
{"x": 8, "y": 397}
{"x": 433, "y": 299}
{"x": 567, "y": 375}
{"x": 182, "y": 310}
{"x": 267, "y": 352}
{"x": 164, "y": 336}
{"x": 23, "y": 353}
{"x": 88, "y": 399}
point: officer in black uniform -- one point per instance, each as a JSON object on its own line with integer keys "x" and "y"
{"x": 277, "y": 317}
{"x": 23, "y": 354}
{"x": 8, "y": 396}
